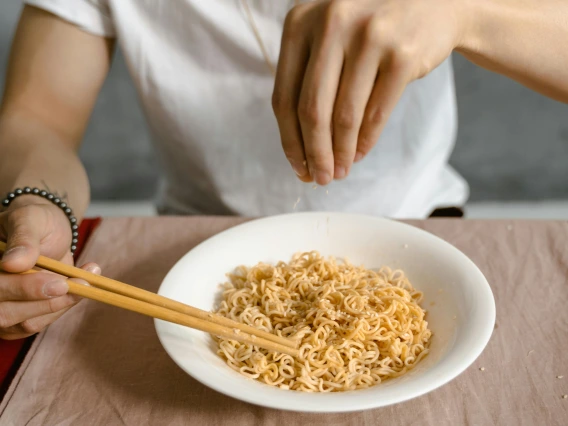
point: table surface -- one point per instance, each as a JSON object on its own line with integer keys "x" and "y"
{"x": 102, "y": 365}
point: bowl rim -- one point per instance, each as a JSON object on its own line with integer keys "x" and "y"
{"x": 466, "y": 361}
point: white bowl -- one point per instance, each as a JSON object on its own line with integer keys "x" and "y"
{"x": 460, "y": 305}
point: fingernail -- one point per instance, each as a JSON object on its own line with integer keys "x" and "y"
{"x": 300, "y": 170}
{"x": 340, "y": 172}
{"x": 359, "y": 156}
{"x": 14, "y": 253}
{"x": 321, "y": 177}
{"x": 55, "y": 288}
{"x": 94, "y": 269}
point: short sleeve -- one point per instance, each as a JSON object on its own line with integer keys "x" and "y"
{"x": 92, "y": 16}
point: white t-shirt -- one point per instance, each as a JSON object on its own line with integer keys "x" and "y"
{"x": 206, "y": 92}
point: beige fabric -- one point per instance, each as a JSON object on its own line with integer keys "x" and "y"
{"x": 100, "y": 365}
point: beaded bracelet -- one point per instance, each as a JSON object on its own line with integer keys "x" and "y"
{"x": 55, "y": 200}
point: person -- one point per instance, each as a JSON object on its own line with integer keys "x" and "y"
{"x": 350, "y": 74}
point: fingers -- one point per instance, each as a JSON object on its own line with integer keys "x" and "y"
{"x": 12, "y": 313}
{"x": 344, "y": 98}
{"x": 315, "y": 107}
{"x": 24, "y": 228}
{"x": 393, "y": 78}
{"x": 32, "y": 325}
{"x": 357, "y": 81}
{"x": 289, "y": 75}
{"x": 92, "y": 268}
{"x": 39, "y": 286}
{"x": 28, "y": 303}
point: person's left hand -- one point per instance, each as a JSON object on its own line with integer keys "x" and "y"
{"x": 343, "y": 66}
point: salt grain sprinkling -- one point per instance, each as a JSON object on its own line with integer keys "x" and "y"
{"x": 296, "y": 203}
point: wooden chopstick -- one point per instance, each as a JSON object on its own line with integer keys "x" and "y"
{"x": 202, "y": 320}
{"x": 165, "y": 314}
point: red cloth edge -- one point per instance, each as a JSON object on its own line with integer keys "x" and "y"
{"x": 12, "y": 352}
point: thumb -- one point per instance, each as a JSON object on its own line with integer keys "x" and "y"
{"x": 23, "y": 229}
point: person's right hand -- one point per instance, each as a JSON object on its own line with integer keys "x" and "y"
{"x": 29, "y": 303}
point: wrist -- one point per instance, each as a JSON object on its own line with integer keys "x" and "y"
{"x": 470, "y": 15}
{"x": 22, "y": 197}
{"x": 26, "y": 200}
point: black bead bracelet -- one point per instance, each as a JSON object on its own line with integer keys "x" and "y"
{"x": 55, "y": 200}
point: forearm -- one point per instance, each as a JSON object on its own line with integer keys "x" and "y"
{"x": 523, "y": 39}
{"x": 35, "y": 156}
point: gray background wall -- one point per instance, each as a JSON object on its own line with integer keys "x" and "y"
{"x": 512, "y": 143}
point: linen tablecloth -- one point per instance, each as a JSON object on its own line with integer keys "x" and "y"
{"x": 102, "y": 365}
